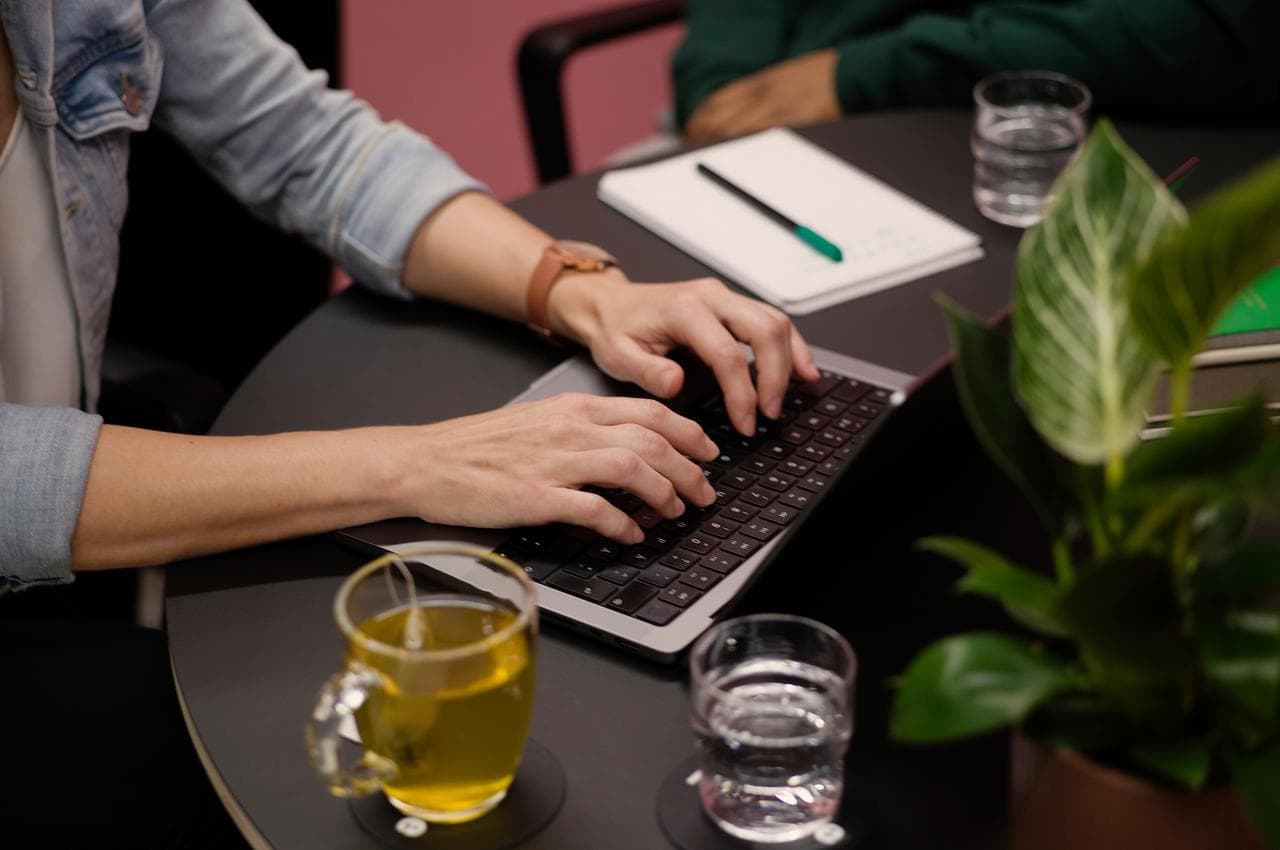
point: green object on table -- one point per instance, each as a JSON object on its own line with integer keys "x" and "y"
{"x": 1255, "y": 309}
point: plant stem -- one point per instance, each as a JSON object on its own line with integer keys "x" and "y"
{"x": 1153, "y": 520}
{"x": 1062, "y": 563}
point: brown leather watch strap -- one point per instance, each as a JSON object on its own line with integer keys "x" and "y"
{"x": 556, "y": 258}
{"x": 549, "y": 269}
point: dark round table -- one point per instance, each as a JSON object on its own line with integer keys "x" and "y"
{"x": 251, "y": 635}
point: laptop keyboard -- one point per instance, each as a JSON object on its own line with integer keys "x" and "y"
{"x": 762, "y": 484}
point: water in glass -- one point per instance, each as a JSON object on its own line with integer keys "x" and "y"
{"x": 772, "y": 733}
{"x": 1017, "y": 157}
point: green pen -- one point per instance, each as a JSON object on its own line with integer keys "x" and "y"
{"x": 805, "y": 234}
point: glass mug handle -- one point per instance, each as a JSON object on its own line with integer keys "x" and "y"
{"x": 338, "y": 702}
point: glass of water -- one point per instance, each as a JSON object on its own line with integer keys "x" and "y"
{"x": 1027, "y": 127}
{"x": 773, "y": 713}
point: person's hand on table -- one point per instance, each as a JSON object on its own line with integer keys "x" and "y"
{"x": 525, "y": 464}
{"x": 798, "y": 91}
{"x": 631, "y": 328}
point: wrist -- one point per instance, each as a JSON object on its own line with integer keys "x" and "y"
{"x": 575, "y": 306}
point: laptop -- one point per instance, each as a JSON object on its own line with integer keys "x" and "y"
{"x": 657, "y": 597}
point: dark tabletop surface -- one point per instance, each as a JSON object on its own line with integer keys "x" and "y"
{"x": 251, "y": 632}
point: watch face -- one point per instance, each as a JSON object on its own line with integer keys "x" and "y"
{"x": 584, "y": 255}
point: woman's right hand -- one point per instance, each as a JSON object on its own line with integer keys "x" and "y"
{"x": 525, "y": 464}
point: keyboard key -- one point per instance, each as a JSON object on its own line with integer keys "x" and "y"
{"x": 830, "y": 407}
{"x": 850, "y": 390}
{"x": 828, "y": 466}
{"x": 797, "y": 499}
{"x": 720, "y": 562}
{"x": 638, "y": 556}
{"x": 880, "y": 395}
{"x": 619, "y": 575}
{"x": 814, "y": 452}
{"x": 775, "y": 481}
{"x": 680, "y": 560}
{"x": 813, "y": 483}
{"x": 866, "y": 409}
{"x": 833, "y": 437}
{"x": 725, "y": 495}
{"x": 680, "y": 595}
{"x": 585, "y": 567}
{"x": 794, "y": 401}
{"x": 755, "y": 465}
{"x": 658, "y": 612}
{"x": 778, "y": 514}
{"x": 646, "y": 517}
{"x": 847, "y": 450}
{"x": 820, "y": 387}
{"x": 812, "y": 421}
{"x": 624, "y": 501}
{"x": 742, "y": 546}
{"x": 760, "y": 530}
{"x": 700, "y": 578}
{"x": 719, "y": 527}
{"x": 852, "y": 424}
{"x": 725, "y": 460}
{"x": 605, "y": 551}
{"x": 631, "y": 597}
{"x": 537, "y": 568}
{"x": 795, "y": 466}
{"x": 758, "y": 496}
{"x": 659, "y": 575}
{"x": 738, "y": 480}
{"x": 587, "y": 588}
{"x": 796, "y": 436}
{"x": 700, "y": 543}
{"x": 738, "y": 512}
{"x": 659, "y": 541}
{"x": 775, "y": 449}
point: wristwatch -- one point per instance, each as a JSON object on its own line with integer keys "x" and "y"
{"x": 557, "y": 258}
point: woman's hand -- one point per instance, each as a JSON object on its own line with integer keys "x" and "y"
{"x": 631, "y": 328}
{"x": 524, "y": 464}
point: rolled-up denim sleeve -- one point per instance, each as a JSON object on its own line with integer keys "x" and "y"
{"x": 44, "y": 464}
{"x": 315, "y": 161}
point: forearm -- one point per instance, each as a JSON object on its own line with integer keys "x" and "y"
{"x": 152, "y": 497}
{"x": 476, "y": 253}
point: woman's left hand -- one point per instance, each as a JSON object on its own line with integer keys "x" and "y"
{"x": 631, "y": 328}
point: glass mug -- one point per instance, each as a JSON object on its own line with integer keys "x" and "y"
{"x": 773, "y": 714}
{"x": 439, "y": 680}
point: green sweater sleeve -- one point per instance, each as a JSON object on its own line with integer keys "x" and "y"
{"x": 1166, "y": 55}
{"x": 725, "y": 40}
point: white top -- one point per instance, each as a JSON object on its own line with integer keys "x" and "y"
{"x": 39, "y": 349}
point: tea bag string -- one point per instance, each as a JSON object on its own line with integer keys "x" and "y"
{"x": 415, "y": 626}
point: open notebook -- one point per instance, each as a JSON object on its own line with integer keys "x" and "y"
{"x": 886, "y": 237}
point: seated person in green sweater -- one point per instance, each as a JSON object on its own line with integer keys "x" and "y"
{"x": 750, "y": 64}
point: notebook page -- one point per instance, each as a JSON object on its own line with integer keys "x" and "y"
{"x": 882, "y": 233}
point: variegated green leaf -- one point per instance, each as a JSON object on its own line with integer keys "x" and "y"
{"x": 1080, "y": 372}
{"x": 1180, "y": 291}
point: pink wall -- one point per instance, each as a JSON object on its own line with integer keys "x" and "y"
{"x": 447, "y": 68}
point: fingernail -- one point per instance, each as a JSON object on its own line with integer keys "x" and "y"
{"x": 749, "y": 425}
{"x": 677, "y": 508}
{"x": 708, "y": 494}
{"x": 636, "y": 535}
{"x": 773, "y": 409}
{"x": 711, "y": 450}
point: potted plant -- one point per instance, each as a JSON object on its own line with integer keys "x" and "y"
{"x": 1149, "y": 681}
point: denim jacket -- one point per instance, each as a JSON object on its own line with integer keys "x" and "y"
{"x": 318, "y": 162}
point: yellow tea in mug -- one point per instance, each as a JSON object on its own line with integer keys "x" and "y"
{"x": 454, "y": 727}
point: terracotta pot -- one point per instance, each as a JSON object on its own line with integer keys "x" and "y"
{"x": 1064, "y": 801}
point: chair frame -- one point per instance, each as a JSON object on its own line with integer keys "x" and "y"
{"x": 540, "y": 69}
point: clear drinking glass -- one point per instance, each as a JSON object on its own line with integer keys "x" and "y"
{"x": 1027, "y": 127}
{"x": 438, "y": 678}
{"x": 773, "y": 714}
